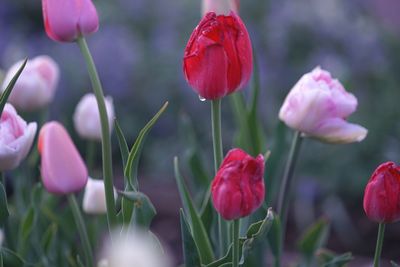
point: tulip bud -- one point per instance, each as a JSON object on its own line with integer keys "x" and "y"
{"x": 220, "y": 7}
{"x": 218, "y": 57}
{"x": 62, "y": 168}
{"x": 318, "y": 106}
{"x": 382, "y": 194}
{"x": 66, "y": 20}
{"x": 16, "y": 138}
{"x": 94, "y": 199}
{"x": 87, "y": 118}
{"x": 36, "y": 86}
{"x": 238, "y": 187}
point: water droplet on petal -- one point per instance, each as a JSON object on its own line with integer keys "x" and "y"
{"x": 202, "y": 99}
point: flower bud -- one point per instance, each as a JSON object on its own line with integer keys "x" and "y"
{"x": 220, "y": 7}
{"x": 382, "y": 194}
{"x": 218, "y": 57}
{"x": 66, "y": 20}
{"x": 62, "y": 168}
{"x": 36, "y": 86}
{"x": 238, "y": 188}
{"x": 94, "y": 199}
{"x": 318, "y": 106}
{"x": 87, "y": 118}
{"x": 16, "y": 138}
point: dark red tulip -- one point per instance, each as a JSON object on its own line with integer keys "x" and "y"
{"x": 382, "y": 194}
{"x": 238, "y": 188}
{"x": 218, "y": 57}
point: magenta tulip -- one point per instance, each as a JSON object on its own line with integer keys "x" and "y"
{"x": 66, "y": 20}
{"x": 62, "y": 168}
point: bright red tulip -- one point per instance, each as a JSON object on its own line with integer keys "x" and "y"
{"x": 218, "y": 58}
{"x": 66, "y": 20}
{"x": 382, "y": 194}
{"x": 238, "y": 188}
{"x": 62, "y": 167}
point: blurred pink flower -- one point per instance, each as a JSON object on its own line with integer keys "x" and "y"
{"x": 87, "y": 118}
{"x": 66, "y": 20}
{"x": 220, "y": 6}
{"x": 62, "y": 168}
{"x": 16, "y": 138}
{"x": 36, "y": 86}
{"x": 94, "y": 198}
{"x": 318, "y": 106}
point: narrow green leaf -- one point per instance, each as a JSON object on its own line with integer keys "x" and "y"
{"x": 144, "y": 210}
{"x": 199, "y": 233}
{"x": 123, "y": 146}
{"x": 274, "y": 235}
{"x": 27, "y": 225}
{"x": 48, "y": 238}
{"x": 79, "y": 261}
{"x": 190, "y": 250}
{"x": 134, "y": 154}
{"x": 11, "y": 259}
{"x": 329, "y": 259}
{"x": 3, "y": 205}
{"x": 6, "y": 93}
{"x": 313, "y": 239}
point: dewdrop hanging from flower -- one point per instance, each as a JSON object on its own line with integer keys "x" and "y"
{"x": 66, "y": 20}
{"x": 218, "y": 58}
{"x": 318, "y": 106}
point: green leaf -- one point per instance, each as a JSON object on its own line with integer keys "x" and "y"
{"x": 6, "y": 93}
{"x": 313, "y": 239}
{"x": 199, "y": 233}
{"x": 49, "y": 237}
{"x": 327, "y": 258}
{"x": 27, "y": 225}
{"x": 190, "y": 250}
{"x": 207, "y": 212}
{"x": 144, "y": 210}
{"x": 4, "y": 213}
{"x": 273, "y": 237}
{"x": 134, "y": 154}
{"x": 11, "y": 259}
{"x": 123, "y": 146}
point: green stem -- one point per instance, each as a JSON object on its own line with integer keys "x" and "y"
{"x": 105, "y": 133}
{"x": 90, "y": 154}
{"x": 235, "y": 238}
{"x": 287, "y": 183}
{"x": 81, "y": 229}
{"x": 218, "y": 156}
{"x": 379, "y": 243}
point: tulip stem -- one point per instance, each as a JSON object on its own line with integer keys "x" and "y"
{"x": 235, "y": 238}
{"x": 105, "y": 133}
{"x": 379, "y": 243}
{"x": 218, "y": 156}
{"x": 90, "y": 154}
{"x": 81, "y": 229}
{"x": 287, "y": 183}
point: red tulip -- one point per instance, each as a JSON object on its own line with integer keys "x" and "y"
{"x": 382, "y": 194}
{"x": 238, "y": 188}
{"x": 218, "y": 57}
{"x": 66, "y": 20}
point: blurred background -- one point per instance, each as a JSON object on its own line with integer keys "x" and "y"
{"x": 139, "y": 50}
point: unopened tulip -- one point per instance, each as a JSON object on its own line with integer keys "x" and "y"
{"x": 238, "y": 187}
{"x": 218, "y": 57}
{"x": 94, "y": 199}
{"x": 318, "y": 106}
{"x": 87, "y": 118}
{"x": 62, "y": 168}
{"x": 16, "y": 138}
{"x": 66, "y": 20}
{"x": 36, "y": 85}
{"x": 382, "y": 194}
{"x": 220, "y": 6}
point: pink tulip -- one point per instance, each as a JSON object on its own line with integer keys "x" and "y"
{"x": 16, "y": 137}
{"x": 66, "y": 20}
{"x": 36, "y": 86}
{"x": 62, "y": 168}
{"x": 87, "y": 118}
{"x": 318, "y": 106}
{"x": 220, "y": 6}
{"x": 94, "y": 198}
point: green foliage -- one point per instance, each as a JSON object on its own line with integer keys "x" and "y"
{"x": 144, "y": 211}
{"x": 4, "y": 213}
{"x": 190, "y": 251}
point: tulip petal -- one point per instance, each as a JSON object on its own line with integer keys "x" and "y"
{"x": 339, "y": 131}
